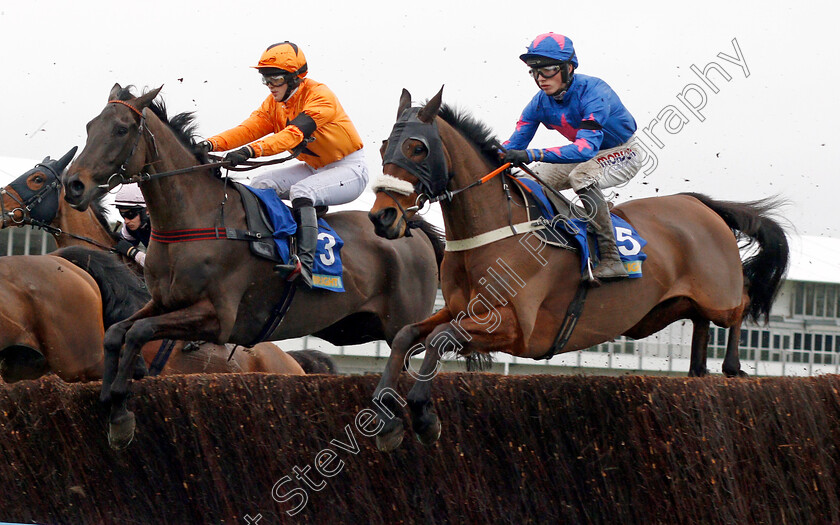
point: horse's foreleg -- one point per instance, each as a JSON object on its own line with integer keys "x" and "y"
{"x": 114, "y": 337}
{"x": 425, "y": 422}
{"x": 386, "y": 406}
{"x": 197, "y": 321}
{"x": 699, "y": 348}
{"x": 488, "y": 334}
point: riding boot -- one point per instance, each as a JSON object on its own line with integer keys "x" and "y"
{"x": 610, "y": 266}
{"x": 300, "y": 266}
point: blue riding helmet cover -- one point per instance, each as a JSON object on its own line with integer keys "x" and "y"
{"x": 431, "y": 171}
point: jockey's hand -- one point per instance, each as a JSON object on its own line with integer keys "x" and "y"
{"x": 517, "y": 157}
{"x": 205, "y": 146}
{"x": 239, "y": 156}
{"x": 126, "y": 248}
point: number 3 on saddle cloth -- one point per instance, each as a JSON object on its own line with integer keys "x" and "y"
{"x": 275, "y": 218}
{"x": 628, "y": 241}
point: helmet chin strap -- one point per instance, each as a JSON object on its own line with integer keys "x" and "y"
{"x": 290, "y": 91}
{"x": 567, "y": 81}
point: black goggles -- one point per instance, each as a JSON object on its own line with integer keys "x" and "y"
{"x": 129, "y": 214}
{"x": 546, "y": 71}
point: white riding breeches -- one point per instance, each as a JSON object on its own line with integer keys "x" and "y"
{"x": 337, "y": 183}
{"x": 610, "y": 167}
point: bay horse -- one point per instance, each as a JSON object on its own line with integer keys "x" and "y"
{"x": 50, "y": 319}
{"x": 505, "y": 293}
{"x": 216, "y": 290}
{"x": 36, "y": 198}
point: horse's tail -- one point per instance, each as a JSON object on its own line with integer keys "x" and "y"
{"x": 314, "y": 361}
{"x": 765, "y": 269}
{"x": 123, "y": 293}
{"x": 434, "y": 234}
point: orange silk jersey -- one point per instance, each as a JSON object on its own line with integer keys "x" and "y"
{"x": 335, "y": 136}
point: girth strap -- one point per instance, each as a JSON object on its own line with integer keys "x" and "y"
{"x": 161, "y": 357}
{"x": 572, "y": 317}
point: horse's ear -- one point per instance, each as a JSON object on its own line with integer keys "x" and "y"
{"x": 65, "y": 160}
{"x": 115, "y": 91}
{"x": 145, "y": 99}
{"x": 430, "y": 110}
{"x": 405, "y": 102}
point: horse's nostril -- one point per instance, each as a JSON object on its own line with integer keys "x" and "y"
{"x": 383, "y": 218}
{"x": 76, "y": 187}
{"x": 388, "y": 216}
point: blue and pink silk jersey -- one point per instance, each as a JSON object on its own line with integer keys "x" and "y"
{"x": 591, "y": 116}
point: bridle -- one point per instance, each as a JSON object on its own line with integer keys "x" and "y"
{"x": 121, "y": 174}
{"x": 21, "y": 214}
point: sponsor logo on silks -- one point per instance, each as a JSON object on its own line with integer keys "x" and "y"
{"x": 634, "y": 268}
{"x": 616, "y": 157}
{"x": 332, "y": 282}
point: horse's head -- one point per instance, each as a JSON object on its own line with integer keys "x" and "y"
{"x": 414, "y": 166}
{"x": 34, "y": 195}
{"x": 114, "y": 150}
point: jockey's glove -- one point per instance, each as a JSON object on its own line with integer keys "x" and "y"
{"x": 126, "y": 248}
{"x": 239, "y": 156}
{"x": 517, "y": 157}
{"x": 205, "y": 146}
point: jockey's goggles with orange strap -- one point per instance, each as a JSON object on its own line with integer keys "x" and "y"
{"x": 546, "y": 71}
{"x": 274, "y": 80}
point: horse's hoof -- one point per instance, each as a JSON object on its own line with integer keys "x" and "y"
{"x": 739, "y": 373}
{"x": 431, "y": 433}
{"x": 121, "y": 431}
{"x": 389, "y": 440}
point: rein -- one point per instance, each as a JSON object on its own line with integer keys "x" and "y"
{"x": 142, "y": 176}
{"x": 58, "y": 232}
{"x": 249, "y": 165}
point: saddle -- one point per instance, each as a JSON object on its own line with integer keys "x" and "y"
{"x": 260, "y": 230}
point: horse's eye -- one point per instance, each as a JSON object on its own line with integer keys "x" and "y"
{"x": 121, "y": 131}
{"x": 38, "y": 179}
{"x": 419, "y": 149}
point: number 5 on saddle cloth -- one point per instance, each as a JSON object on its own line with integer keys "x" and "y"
{"x": 630, "y": 244}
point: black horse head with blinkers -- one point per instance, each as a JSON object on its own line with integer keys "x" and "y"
{"x": 40, "y": 204}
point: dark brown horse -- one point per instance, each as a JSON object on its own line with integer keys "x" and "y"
{"x": 123, "y": 294}
{"x": 509, "y": 293}
{"x": 215, "y": 290}
{"x": 55, "y": 309}
{"x": 36, "y": 198}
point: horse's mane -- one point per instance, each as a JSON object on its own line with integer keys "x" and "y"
{"x": 183, "y": 125}
{"x": 474, "y": 130}
{"x": 123, "y": 293}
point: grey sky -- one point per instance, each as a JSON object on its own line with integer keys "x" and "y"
{"x": 762, "y": 134}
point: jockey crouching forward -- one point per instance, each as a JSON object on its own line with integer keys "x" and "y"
{"x": 586, "y": 111}
{"x": 136, "y": 228}
{"x": 300, "y": 115}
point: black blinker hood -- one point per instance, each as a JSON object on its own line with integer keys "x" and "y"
{"x": 431, "y": 171}
{"x": 43, "y": 204}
